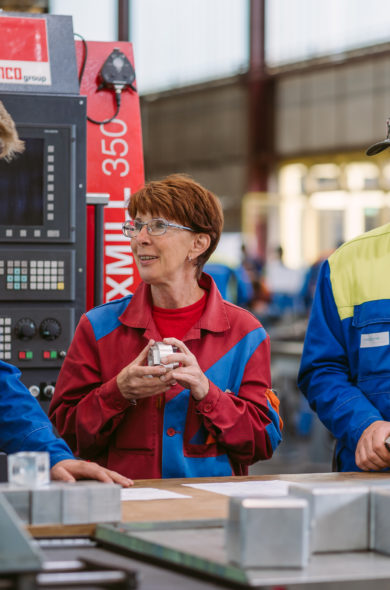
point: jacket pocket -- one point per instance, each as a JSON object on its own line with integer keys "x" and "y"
{"x": 138, "y": 429}
{"x": 371, "y": 321}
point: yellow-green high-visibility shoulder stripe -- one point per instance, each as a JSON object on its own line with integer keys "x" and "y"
{"x": 360, "y": 270}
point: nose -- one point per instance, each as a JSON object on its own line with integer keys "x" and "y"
{"x": 143, "y": 235}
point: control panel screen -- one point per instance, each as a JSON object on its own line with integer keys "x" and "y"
{"x": 21, "y": 186}
{"x": 37, "y": 187}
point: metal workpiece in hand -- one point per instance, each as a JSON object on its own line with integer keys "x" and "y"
{"x": 158, "y": 351}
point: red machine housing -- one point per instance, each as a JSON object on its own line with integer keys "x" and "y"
{"x": 114, "y": 166}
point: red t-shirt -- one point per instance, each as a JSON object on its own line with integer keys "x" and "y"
{"x": 175, "y": 323}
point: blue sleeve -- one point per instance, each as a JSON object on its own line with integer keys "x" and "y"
{"x": 324, "y": 376}
{"x": 24, "y": 426}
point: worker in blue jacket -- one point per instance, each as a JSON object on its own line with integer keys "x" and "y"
{"x": 24, "y": 426}
{"x": 345, "y": 368}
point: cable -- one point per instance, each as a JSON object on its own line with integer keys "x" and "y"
{"x": 81, "y": 74}
{"x": 118, "y": 106}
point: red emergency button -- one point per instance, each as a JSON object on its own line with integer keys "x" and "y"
{"x": 22, "y": 354}
{"x": 46, "y": 354}
{"x": 171, "y": 432}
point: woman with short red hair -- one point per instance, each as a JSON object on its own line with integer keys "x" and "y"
{"x": 208, "y": 408}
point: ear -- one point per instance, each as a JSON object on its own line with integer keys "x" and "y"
{"x": 200, "y": 244}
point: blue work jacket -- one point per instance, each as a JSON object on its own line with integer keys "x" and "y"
{"x": 345, "y": 368}
{"x": 24, "y": 426}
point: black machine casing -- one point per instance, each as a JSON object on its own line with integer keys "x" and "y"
{"x": 43, "y": 217}
{"x": 42, "y": 266}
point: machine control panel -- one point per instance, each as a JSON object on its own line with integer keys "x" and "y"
{"x": 42, "y": 236}
{"x": 24, "y": 275}
{"x": 40, "y": 339}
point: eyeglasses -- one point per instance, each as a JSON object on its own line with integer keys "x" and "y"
{"x": 154, "y": 227}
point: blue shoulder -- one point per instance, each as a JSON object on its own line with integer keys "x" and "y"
{"x": 105, "y": 318}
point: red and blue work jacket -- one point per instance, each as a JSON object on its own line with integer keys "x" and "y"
{"x": 173, "y": 435}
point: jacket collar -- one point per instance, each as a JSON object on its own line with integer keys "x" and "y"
{"x": 138, "y": 314}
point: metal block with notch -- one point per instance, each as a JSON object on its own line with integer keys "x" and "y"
{"x": 268, "y": 532}
{"x": 339, "y": 516}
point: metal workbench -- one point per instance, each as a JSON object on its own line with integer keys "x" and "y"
{"x": 168, "y": 552}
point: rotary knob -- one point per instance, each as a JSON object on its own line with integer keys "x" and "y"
{"x": 50, "y": 329}
{"x": 25, "y": 329}
{"x": 34, "y": 390}
{"x": 48, "y": 391}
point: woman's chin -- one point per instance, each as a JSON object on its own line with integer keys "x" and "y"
{"x": 147, "y": 277}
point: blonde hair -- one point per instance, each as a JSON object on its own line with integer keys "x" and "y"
{"x": 10, "y": 144}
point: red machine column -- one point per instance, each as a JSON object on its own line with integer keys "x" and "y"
{"x": 114, "y": 166}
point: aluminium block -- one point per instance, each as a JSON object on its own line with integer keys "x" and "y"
{"x": 46, "y": 504}
{"x": 339, "y": 516}
{"x": 91, "y": 501}
{"x": 268, "y": 532}
{"x": 380, "y": 520}
{"x": 104, "y": 501}
{"x": 19, "y": 498}
{"x": 29, "y": 468}
{"x": 74, "y": 503}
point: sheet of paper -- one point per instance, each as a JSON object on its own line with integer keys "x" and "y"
{"x": 275, "y": 487}
{"x": 149, "y": 494}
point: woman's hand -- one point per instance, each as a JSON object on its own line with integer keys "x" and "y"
{"x": 137, "y": 380}
{"x": 72, "y": 469}
{"x": 188, "y": 374}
